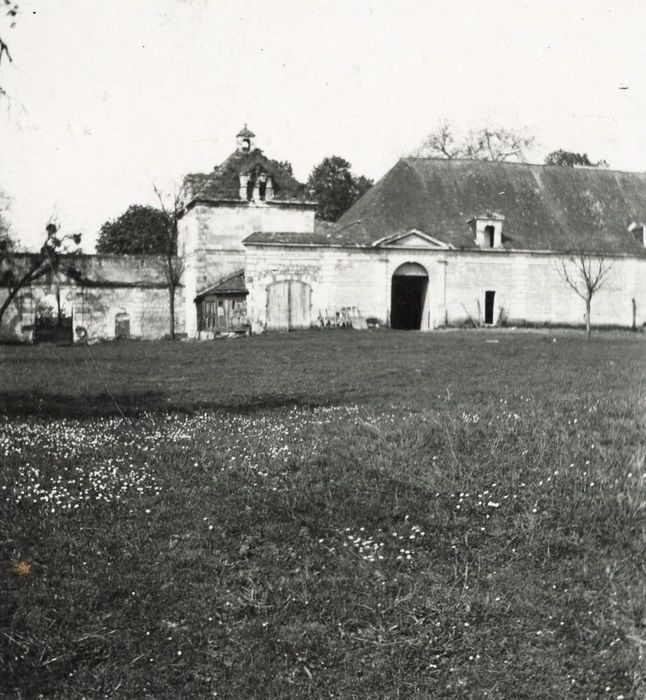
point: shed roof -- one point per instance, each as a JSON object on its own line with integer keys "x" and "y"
{"x": 231, "y": 284}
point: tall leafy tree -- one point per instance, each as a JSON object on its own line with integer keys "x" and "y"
{"x": 335, "y": 189}
{"x": 569, "y": 159}
{"x": 139, "y": 230}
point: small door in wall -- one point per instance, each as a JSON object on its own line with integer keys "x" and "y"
{"x": 122, "y": 325}
{"x": 490, "y": 298}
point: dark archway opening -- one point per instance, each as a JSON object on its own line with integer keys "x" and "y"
{"x": 408, "y": 294}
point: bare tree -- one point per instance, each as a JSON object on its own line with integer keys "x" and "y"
{"x": 171, "y": 264}
{"x": 441, "y": 143}
{"x": 585, "y": 274}
{"x": 488, "y": 143}
{"x": 10, "y": 11}
{"x": 18, "y": 272}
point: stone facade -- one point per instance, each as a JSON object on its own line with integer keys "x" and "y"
{"x": 432, "y": 244}
{"x": 211, "y": 241}
{"x": 112, "y": 290}
{"x": 444, "y": 243}
{"x": 528, "y": 287}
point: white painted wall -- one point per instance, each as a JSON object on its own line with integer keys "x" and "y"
{"x": 528, "y": 286}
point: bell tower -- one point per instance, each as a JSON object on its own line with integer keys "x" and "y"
{"x": 244, "y": 140}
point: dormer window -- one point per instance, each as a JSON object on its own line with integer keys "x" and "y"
{"x": 489, "y": 236}
{"x": 488, "y": 230}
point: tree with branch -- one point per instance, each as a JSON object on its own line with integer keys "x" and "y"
{"x": 585, "y": 274}
{"x": 171, "y": 264}
{"x": 10, "y": 12}
{"x": 487, "y": 143}
{"x": 16, "y": 273}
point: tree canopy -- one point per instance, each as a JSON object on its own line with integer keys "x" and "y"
{"x": 139, "y": 230}
{"x": 569, "y": 159}
{"x": 488, "y": 143}
{"x": 335, "y": 189}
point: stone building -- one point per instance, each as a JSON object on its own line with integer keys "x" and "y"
{"x": 434, "y": 243}
{"x": 440, "y": 242}
{"x": 108, "y": 296}
{"x": 247, "y": 193}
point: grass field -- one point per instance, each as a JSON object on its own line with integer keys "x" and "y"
{"x": 325, "y": 514}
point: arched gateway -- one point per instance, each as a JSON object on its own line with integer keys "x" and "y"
{"x": 408, "y": 296}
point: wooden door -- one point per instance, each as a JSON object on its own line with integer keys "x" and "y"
{"x": 288, "y": 305}
{"x": 299, "y": 305}
{"x": 278, "y": 306}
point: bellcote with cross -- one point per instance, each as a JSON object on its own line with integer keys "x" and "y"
{"x": 245, "y": 140}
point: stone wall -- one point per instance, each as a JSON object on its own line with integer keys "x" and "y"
{"x": 94, "y": 311}
{"x": 528, "y": 286}
{"x": 211, "y": 236}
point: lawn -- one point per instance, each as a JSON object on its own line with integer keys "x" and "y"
{"x": 325, "y": 514}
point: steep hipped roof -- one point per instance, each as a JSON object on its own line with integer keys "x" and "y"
{"x": 545, "y": 207}
{"x": 223, "y": 184}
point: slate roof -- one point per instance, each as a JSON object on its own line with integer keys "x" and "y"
{"x": 223, "y": 183}
{"x": 544, "y": 207}
{"x": 324, "y": 234}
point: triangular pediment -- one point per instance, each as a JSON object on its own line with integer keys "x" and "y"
{"x": 412, "y": 239}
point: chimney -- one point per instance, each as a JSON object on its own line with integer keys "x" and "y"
{"x": 244, "y": 181}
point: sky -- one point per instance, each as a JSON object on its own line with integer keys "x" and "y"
{"x": 110, "y": 97}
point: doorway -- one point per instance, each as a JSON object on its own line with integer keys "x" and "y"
{"x": 288, "y": 305}
{"x": 408, "y": 297}
{"x": 489, "y": 307}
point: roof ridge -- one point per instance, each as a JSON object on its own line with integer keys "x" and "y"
{"x": 515, "y": 163}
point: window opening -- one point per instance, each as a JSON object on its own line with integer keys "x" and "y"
{"x": 489, "y": 236}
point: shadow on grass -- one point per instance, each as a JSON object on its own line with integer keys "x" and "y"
{"x": 53, "y": 405}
